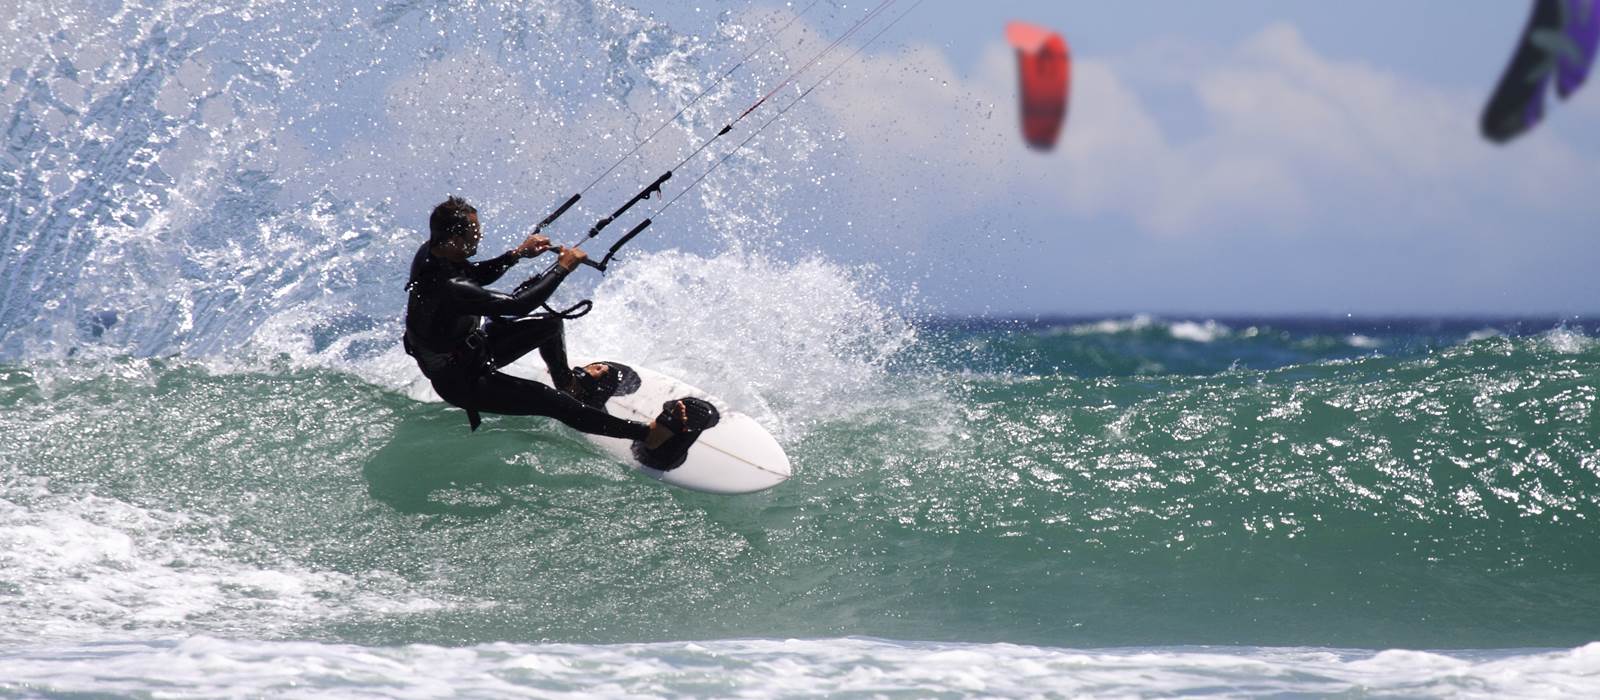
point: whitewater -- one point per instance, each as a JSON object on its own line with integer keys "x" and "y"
{"x": 213, "y": 482}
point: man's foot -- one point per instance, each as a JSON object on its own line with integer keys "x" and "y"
{"x": 566, "y": 382}
{"x": 596, "y": 382}
{"x": 658, "y": 434}
{"x": 592, "y": 372}
{"x": 674, "y": 431}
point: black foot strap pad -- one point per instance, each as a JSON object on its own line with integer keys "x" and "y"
{"x": 686, "y": 423}
{"x": 618, "y": 380}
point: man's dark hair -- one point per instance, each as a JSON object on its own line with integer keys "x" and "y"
{"x": 450, "y": 219}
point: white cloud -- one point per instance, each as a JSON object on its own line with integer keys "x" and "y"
{"x": 1282, "y": 138}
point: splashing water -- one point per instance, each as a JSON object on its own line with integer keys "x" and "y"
{"x": 184, "y": 180}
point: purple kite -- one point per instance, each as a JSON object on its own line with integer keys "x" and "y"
{"x": 1560, "y": 39}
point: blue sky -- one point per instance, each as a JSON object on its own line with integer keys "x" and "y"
{"x": 1220, "y": 157}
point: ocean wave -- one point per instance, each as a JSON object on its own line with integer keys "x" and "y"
{"x": 1112, "y": 326}
{"x": 1336, "y": 502}
{"x": 1200, "y": 331}
{"x": 795, "y": 668}
{"x": 76, "y": 564}
{"x": 1147, "y": 345}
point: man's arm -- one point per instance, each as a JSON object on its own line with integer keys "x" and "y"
{"x": 469, "y": 297}
{"x": 486, "y": 272}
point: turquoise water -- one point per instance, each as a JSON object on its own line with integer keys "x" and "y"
{"x": 1183, "y": 524}
{"x": 215, "y": 480}
{"x": 1440, "y": 498}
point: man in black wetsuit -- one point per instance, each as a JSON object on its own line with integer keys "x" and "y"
{"x": 460, "y": 351}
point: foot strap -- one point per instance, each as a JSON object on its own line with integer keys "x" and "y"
{"x": 686, "y": 418}
{"x": 618, "y": 380}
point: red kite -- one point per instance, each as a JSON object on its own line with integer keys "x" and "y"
{"x": 1045, "y": 71}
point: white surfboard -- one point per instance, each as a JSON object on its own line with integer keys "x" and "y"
{"x": 734, "y": 456}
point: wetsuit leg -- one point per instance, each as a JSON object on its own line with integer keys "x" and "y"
{"x": 512, "y": 338}
{"x": 497, "y": 392}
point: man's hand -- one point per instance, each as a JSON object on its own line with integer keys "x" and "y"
{"x": 571, "y": 257}
{"x": 533, "y": 247}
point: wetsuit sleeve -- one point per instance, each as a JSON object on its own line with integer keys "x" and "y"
{"x": 488, "y": 271}
{"x": 468, "y": 297}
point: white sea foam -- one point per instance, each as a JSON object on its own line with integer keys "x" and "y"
{"x": 1566, "y": 341}
{"x": 75, "y": 565}
{"x": 1112, "y": 326}
{"x": 209, "y": 667}
{"x": 1199, "y": 332}
{"x": 789, "y": 343}
{"x": 1194, "y": 331}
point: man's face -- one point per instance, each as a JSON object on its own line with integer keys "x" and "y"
{"x": 468, "y": 243}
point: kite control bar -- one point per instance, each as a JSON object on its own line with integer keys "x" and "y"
{"x": 579, "y": 309}
{"x": 654, "y": 188}
{"x": 612, "y": 252}
{"x": 558, "y": 212}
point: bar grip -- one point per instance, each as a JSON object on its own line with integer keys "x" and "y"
{"x": 558, "y": 212}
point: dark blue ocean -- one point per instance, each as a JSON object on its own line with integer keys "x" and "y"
{"x": 215, "y": 482}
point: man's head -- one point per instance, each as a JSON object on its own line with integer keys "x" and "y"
{"x": 453, "y": 227}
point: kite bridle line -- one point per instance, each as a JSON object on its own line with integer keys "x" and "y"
{"x": 642, "y": 225}
{"x": 730, "y": 71}
{"x": 654, "y": 187}
{"x": 564, "y": 206}
{"x": 781, "y": 111}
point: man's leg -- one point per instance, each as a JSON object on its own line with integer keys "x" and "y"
{"x": 510, "y": 339}
{"x": 497, "y": 392}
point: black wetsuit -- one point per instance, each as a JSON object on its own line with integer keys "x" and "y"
{"x": 460, "y": 352}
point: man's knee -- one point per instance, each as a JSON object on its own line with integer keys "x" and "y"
{"x": 545, "y": 328}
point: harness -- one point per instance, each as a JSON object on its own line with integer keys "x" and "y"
{"x": 470, "y": 355}
{"x": 470, "y": 358}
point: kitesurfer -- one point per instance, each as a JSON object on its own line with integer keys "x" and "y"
{"x": 462, "y": 333}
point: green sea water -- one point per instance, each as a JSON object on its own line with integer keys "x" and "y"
{"x": 1439, "y": 497}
